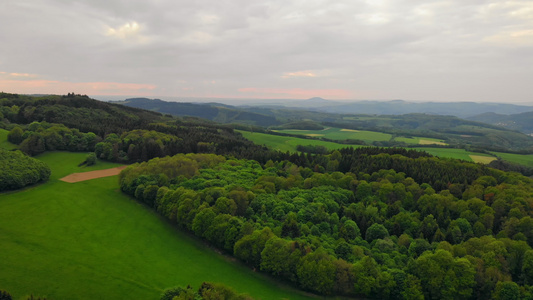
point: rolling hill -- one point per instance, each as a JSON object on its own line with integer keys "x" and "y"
{"x": 522, "y": 122}
{"x": 211, "y": 111}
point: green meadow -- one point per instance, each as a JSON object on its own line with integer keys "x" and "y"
{"x": 420, "y": 140}
{"x": 286, "y": 143}
{"x": 366, "y": 136}
{"x": 3, "y": 140}
{"x": 87, "y": 240}
{"x": 459, "y": 154}
{"x": 521, "y": 159}
{"x": 343, "y": 134}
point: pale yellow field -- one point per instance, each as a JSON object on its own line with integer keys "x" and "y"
{"x": 350, "y": 130}
{"x": 314, "y": 134}
{"x": 482, "y": 159}
{"x": 429, "y": 142}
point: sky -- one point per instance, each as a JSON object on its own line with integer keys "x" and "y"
{"x": 415, "y": 50}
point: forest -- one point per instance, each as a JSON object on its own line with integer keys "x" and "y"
{"x": 380, "y": 234}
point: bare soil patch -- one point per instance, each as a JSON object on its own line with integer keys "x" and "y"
{"x": 77, "y": 177}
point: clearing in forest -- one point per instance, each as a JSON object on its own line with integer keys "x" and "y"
{"x": 77, "y": 177}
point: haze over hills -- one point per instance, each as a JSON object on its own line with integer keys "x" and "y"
{"x": 398, "y": 107}
{"x": 374, "y": 107}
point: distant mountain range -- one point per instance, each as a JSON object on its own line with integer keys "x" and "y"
{"x": 263, "y": 113}
{"x": 463, "y": 110}
{"x": 400, "y": 107}
{"x": 211, "y": 111}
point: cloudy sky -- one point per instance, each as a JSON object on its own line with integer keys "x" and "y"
{"x": 417, "y": 50}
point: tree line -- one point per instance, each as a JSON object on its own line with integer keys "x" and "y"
{"x": 206, "y": 291}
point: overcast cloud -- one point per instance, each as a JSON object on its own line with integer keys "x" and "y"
{"x": 383, "y": 49}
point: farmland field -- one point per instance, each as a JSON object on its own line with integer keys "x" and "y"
{"x": 87, "y": 240}
{"x": 521, "y": 159}
{"x": 343, "y": 134}
{"x": 459, "y": 154}
{"x": 366, "y": 136}
{"x": 420, "y": 140}
{"x": 286, "y": 143}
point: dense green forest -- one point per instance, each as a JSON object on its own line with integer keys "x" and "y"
{"x": 19, "y": 170}
{"x": 380, "y": 234}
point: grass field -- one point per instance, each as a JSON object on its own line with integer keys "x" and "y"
{"x": 87, "y": 240}
{"x": 343, "y": 134}
{"x": 3, "y": 140}
{"x": 285, "y": 143}
{"x": 366, "y": 136}
{"x": 420, "y": 140}
{"x": 521, "y": 159}
{"x": 459, "y": 154}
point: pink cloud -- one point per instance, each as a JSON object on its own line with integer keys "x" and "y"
{"x": 297, "y": 93}
{"x": 61, "y": 87}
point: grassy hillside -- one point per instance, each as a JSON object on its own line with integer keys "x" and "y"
{"x": 3, "y": 140}
{"x": 369, "y": 137}
{"x": 210, "y": 111}
{"x": 89, "y": 241}
{"x": 285, "y": 143}
{"x": 525, "y": 160}
{"x": 343, "y": 134}
{"x": 520, "y": 121}
{"x": 460, "y": 154}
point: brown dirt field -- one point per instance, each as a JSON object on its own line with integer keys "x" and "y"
{"x": 77, "y": 177}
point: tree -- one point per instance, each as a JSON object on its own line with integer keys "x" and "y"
{"x": 367, "y": 274}
{"x": 316, "y": 272}
{"x": 170, "y": 293}
{"x": 202, "y": 221}
{"x": 412, "y": 289}
{"x": 506, "y": 290}
{"x": 91, "y": 159}
{"x": 376, "y": 231}
{"x": 527, "y": 267}
{"x": 290, "y": 226}
{"x": 15, "y": 135}
{"x": 443, "y": 276}
{"x": 249, "y": 247}
{"x": 349, "y": 230}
